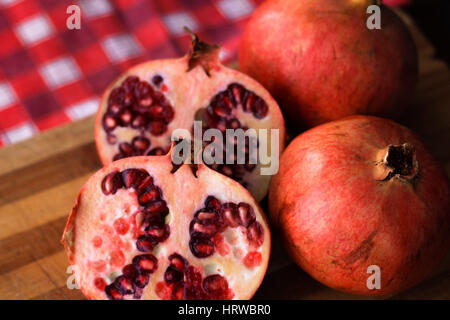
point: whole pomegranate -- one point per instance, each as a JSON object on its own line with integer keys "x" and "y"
{"x": 144, "y": 228}
{"x": 321, "y": 62}
{"x": 360, "y": 192}
{"x": 141, "y": 109}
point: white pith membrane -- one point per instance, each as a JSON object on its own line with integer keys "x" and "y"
{"x": 95, "y": 213}
{"x": 187, "y": 92}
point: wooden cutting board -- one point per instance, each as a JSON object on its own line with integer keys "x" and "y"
{"x": 40, "y": 178}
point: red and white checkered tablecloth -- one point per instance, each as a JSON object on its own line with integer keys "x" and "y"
{"x": 50, "y": 75}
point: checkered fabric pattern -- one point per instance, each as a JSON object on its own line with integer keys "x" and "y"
{"x": 50, "y": 75}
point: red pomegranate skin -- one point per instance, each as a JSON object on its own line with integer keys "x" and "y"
{"x": 338, "y": 214}
{"x": 321, "y": 62}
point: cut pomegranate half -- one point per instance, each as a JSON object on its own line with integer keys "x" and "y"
{"x": 140, "y": 110}
{"x": 143, "y": 228}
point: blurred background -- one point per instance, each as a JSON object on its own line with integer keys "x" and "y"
{"x": 50, "y": 76}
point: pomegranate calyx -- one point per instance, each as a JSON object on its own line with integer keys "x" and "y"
{"x": 399, "y": 162}
{"x": 202, "y": 54}
{"x": 180, "y": 156}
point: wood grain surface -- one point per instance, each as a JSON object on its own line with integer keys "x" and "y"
{"x": 40, "y": 178}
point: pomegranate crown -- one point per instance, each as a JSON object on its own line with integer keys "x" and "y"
{"x": 187, "y": 159}
{"x": 202, "y": 54}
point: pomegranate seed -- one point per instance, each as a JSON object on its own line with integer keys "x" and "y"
{"x": 215, "y": 285}
{"x": 159, "y": 98}
{"x": 124, "y": 285}
{"x": 129, "y": 271}
{"x": 149, "y": 195}
{"x": 203, "y": 216}
{"x": 126, "y": 148}
{"x": 177, "y": 291}
{"x": 222, "y": 248}
{"x": 116, "y": 97}
{"x": 140, "y": 143}
{"x": 139, "y": 121}
{"x": 97, "y": 242}
{"x": 230, "y": 214}
{"x": 177, "y": 261}
{"x": 117, "y": 258}
{"x": 132, "y": 178}
{"x": 113, "y": 293}
{"x": 193, "y": 276}
{"x": 145, "y": 243}
{"x": 251, "y": 98}
{"x": 141, "y": 280}
{"x": 237, "y": 92}
{"x": 130, "y": 83}
{"x": 260, "y": 108}
{"x": 194, "y": 290}
{"x": 200, "y": 230}
{"x": 157, "y": 207}
{"x": 162, "y": 290}
{"x": 121, "y": 226}
{"x": 173, "y": 275}
{"x": 157, "y": 127}
{"x": 169, "y": 114}
{"x": 143, "y": 90}
{"x": 145, "y": 263}
{"x": 221, "y": 111}
{"x": 159, "y": 233}
{"x": 126, "y": 117}
{"x": 115, "y": 109}
{"x": 227, "y": 99}
{"x": 138, "y": 291}
{"x": 152, "y": 220}
{"x": 111, "y": 183}
{"x": 98, "y": 265}
{"x": 156, "y": 112}
{"x": 129, "y": 100}
{"x": 100, "y": 283}
{"x": 146, "y": 102}
{"x": 201, "y": 247}
{"x": 109, "y": 122}
{"x": 246, "y": 214}
{"x": 255, "y": 234}
{"x": 147, "y": 182}
{"x": 252, "y": 259}
{"x": 213, "y": 204}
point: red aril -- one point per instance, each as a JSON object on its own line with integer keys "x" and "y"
{"x": 359, "y": 192}
{"x": 321, "y": 62}
{"x": 143, "y": 228}
{"x": 141, "y": 109}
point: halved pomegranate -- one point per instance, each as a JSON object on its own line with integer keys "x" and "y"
{"x": 143, "y": 228}
{"x": 140, "y": 110}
